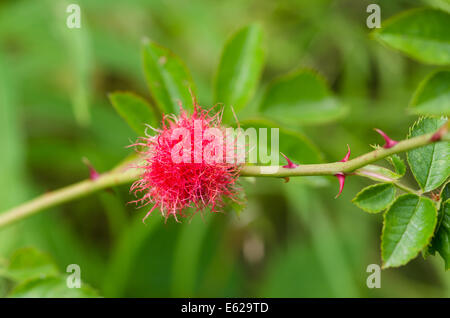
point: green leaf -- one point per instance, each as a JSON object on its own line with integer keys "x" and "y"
{"x": 430, "y": 165}
{"x": 28, "y": 263}
{"x": 375, "y": 198}
{"x": 240, "y": 68}
{"x": 167, "y": 77}
{"x": 135, "y": 110}
{"x": 51, "y": 287}
{"x": 419, "y": 33}
{"x": 301, "y": 98}
{"x": 445, "y": 192}
{"x": 377, "y": 173}
{"x": 408, "y": 227}
{"x": 292, "y": 143}
{"x": 440, "y": 4}
{"x": 432, "y": 97}
{"x": 398, "y": 164}
{"x": 441, "y": 240}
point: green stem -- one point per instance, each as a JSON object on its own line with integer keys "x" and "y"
{"x": 69, "y": 193}
{"x": 122, "y": 175}
{"x": 338, "y": 167}
{"x": 407, "y": 189}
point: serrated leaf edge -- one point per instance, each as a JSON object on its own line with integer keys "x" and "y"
{"x": 373, "y": 211}
{"x": 390, "y": 160}
{"x": 408, "y": 136}
{"x": 420, "y": 88}
{"x": 144, "y": 48}
{"x": 376, "y": 34}
{"x": 222, "y": 53}
{"x": 383, "y": 266}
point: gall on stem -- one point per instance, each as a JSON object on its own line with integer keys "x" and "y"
{"x": 196, "y": 181}
{"x": 290, "y": 164}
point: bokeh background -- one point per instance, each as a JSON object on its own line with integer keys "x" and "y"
{"x": 292, "y": 240}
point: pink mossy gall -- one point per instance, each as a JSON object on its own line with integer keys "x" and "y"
{"x": 186, "y": 166}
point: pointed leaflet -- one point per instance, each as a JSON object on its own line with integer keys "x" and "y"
{"x": 301, "y": 98}
{"x": 430, "y": 165}
{"x": 441, "y": 239}
{"x": 167, "y": 77}
{"x": 37, "y": 276}
{"x": 135, "y": 110}
{"x": 28, "y": 263}
{"x": 398, "y": 164}
{"x": 419, "y": 33}
{"x": 432, "y": 97}
{"x": 240, "y": 68}
{"x": 375, "y": 198}
{"x": 408, "y": 227}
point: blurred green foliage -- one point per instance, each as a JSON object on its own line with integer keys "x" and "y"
{"x": 292, "y": 239}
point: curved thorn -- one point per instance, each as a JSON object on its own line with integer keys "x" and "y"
{"x": 290, "y": 164}
{"x": 389, "y": 142}
{"x": 347, "y": 156}
{"x": 341, "y": 179}
{"x": 93, "y": 174}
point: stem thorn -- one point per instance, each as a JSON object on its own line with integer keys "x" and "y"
{"x": 290, "y": 164}
{"x": 389, "y": 142}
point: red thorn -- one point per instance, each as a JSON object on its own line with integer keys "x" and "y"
{"x": 347, "y": 156}
{"x": 290, "y": 164}
{"x": 389, "y": 142}
{"x": 437, "y": 136}
{"x": 93, "y": 174}
{"x": 341, "y": 179}
{"x": 286, "y": 179}
{"x": 340, "y": 175}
